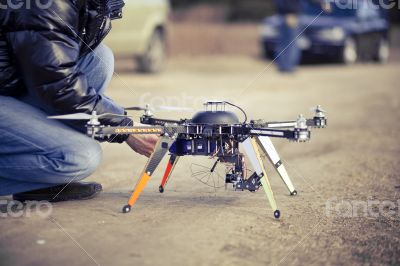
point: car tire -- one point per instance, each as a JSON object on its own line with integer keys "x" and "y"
{"x": 153, "y": 60}
{"x": 349, "y": 54}
{"x": 269, "y": 54}
{"x": 382, "y": 51}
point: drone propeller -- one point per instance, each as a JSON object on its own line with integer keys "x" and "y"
{"x": 136, "y": 108}
{"x": 78, "y": 116}
{"x": 174, "y": 108}
{"x": 318, "y": 109}
{"x": 159, "y": 108}
{"x": 84, "y": 116}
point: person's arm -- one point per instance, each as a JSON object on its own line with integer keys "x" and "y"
{"x": 46, "y": 48}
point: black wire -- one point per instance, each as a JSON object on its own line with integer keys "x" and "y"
{"x": 238, "y": 107}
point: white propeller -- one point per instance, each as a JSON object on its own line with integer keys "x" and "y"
{"x": 158, "y": 108}
{"x": 174, "y": 108}
{"x": 83, "y": 116}
{"x": 318, "y": 109}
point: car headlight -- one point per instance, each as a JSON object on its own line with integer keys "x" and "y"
{"x": 333, "y": 34}
{"x": 269, "y": 31}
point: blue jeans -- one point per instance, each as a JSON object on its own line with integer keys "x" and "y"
{"x": 36, "y": 152}
{"x": 288, "y": 51}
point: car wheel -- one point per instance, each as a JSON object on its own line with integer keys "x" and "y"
{"x": 349, "y": 52}
{"x": 382, "y": 51}
{"x": 154, "y": 59}
{"x": 269, "y": 54}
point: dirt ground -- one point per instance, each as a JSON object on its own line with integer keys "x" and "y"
{"x": 353, "y": 161}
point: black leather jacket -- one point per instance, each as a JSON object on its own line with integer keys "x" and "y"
{"x": 39, "y": 49}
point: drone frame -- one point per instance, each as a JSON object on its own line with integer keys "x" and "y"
{"x": 254, "y": 136}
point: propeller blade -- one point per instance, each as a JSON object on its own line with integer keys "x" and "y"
{"x": 83, "y": 116}
{"x": 135, "y": 108}
{"x": 318, "y": 108}
{"x": 78, "y": 116}
{"x": 109, "y": 115}
{"x": 159, "y": 108}
{"x": 174, "y": 108}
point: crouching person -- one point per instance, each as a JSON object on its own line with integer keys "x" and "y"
{"x": 52, "y": 62}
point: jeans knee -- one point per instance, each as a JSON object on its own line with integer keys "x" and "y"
{"x": 87, "y": 161}
{"x": 77, "y": 162}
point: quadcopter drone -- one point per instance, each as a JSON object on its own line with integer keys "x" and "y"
{"x": 216, "y": 133}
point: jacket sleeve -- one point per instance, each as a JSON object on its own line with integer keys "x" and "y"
{"x": 46, "y": 49}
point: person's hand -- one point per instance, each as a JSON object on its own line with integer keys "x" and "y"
{"x": 143, "y": 144}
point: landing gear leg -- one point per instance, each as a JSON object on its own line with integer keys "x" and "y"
{"x": 173, "y": 160}
{"x": 268, "y": 148}
{"x": 254, "y": 155}
{"x": 161, "y": 149}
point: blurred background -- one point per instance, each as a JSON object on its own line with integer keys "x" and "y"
{"x": 152, "y": 31}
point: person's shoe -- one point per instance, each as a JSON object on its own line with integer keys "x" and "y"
{"x": 72, "y": 191}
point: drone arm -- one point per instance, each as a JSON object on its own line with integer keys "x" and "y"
{"x": 282, "y": 124}
{"x": 296, "y": 134}
{"x": 107, "y": 133}
{"x": 148, "y": 120}
{"x": 313, "y": 122}
{"x": 167, "y": 130}
{"x": 131, "y": 130}
{"x": 161, "y": 149}
{"x": 276, "y": 133}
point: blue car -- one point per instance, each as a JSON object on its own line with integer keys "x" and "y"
{"x": 347, "y": 35}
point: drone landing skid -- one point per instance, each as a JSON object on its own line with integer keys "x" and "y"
{"x": 173, "y": 160}
{"x": 253, "y": 147}
{"x": 252, "y": 151}
{"x": 268, "y": 148}
{"x": 162, "y": 147}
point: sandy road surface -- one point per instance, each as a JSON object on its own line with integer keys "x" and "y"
{"x": 355, "y": 160}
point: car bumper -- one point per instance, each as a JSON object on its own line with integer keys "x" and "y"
{"x": 308, "y": 46}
